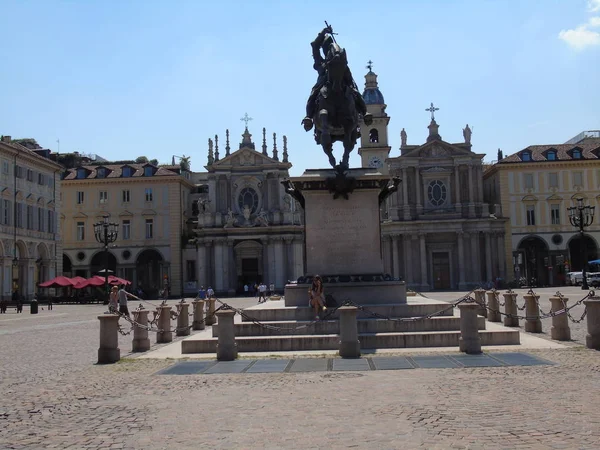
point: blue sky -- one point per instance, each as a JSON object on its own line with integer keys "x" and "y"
{"x": 158, "y": 78}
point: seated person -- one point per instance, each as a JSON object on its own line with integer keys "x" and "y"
{"x": 316, "y": 296}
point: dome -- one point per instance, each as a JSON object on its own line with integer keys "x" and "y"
{"x": 373, "y": 96}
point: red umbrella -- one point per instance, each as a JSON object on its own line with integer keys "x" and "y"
{"x": 57, "y": 282}
{"x": 94, "y": 281}
{"x": 77, "y": 280}
{"x": 116, "y": 280}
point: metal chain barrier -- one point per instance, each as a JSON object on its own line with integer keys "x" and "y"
{"x": 497, "y": 295}
{"x": 567, "y": 310}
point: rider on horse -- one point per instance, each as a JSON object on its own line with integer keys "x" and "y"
{"x": 324, "y": 41}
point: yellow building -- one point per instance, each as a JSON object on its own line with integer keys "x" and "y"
{"x": 150, "y": 206}
{"x": 30, "y": 250}
{"x": 534, "y": 187}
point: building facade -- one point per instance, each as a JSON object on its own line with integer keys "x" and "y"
{"x": 535, "y": 186}
{"x": 30, "y": 245}
{"x": 437, "y": 231}
{"x": 247, "y": 229}
{"x": 151, "y": 206}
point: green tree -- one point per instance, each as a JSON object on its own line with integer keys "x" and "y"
{"x": 184, "y": 162}
{"x": 141, "y": 159}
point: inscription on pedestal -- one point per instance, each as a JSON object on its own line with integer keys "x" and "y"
{"x": 342, "y": 236}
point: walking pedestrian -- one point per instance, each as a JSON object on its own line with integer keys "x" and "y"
{"x": 246, "y": 289}
{"x": 123, "y": 309}
{"x": 113, "y": 300}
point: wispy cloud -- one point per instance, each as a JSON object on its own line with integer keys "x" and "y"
{"x": 584, "y": 35}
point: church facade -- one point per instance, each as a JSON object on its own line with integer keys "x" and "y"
{"x": 248, "y": 230}
{"x": 437, "y": 232}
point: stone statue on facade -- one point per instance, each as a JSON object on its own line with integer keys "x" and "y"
{"x": 262, "y": 220}
{"x": 403, "y": 138}
{"x": 230, "y": 220}
{"x": 334, "y": 103}
{"x": 467, "y": 134}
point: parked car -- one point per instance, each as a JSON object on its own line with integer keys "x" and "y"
{"x": 594, "y": 279}
{"x": 575, "y": 278}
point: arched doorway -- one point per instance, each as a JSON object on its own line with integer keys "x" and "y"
{"x": 98, "y": 263}
{"x": 42, "y": 264}
{"x": 248, "y": 264}
{"x": 20, "y": 270}
{"x": 576, "y": 251}
{"x": 533, "y": 261}
{"x": 151, "y": 272}
{"x": 67, "y": 266}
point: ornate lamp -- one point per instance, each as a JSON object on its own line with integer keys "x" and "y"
{"x": 582, "y": 216}
{"x": 106, "y": 233}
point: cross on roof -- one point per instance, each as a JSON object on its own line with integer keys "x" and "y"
{"x": 432, "y": 110}
{"x": 370, "y": 65}
{"x": 246, "y": 119}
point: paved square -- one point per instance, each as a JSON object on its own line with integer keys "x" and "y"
{"x": 269, "y": 366}
{"x": 520, "y": 359}
{"x": 433, "y": 362}
{"x": 351, "y": 364}
{"x": 229, "y": 366}
{"x": 394, "y": 363}
{"x": 310, "y": 365}
{"x": 187, "y": 368}
{"x": 476, "y": 360}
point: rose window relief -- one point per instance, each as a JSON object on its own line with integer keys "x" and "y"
{"x": 249, "y": 197}
{"x": 436, "y": 193}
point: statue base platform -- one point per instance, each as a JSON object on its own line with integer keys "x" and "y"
{"x": 360, "y": 292}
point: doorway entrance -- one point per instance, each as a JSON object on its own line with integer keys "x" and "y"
{"x": 441, "y": 270}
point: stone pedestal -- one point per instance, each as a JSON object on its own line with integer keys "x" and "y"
{"x": 349, "y": 343}
{"x": 109, "y": 352}
{"x": 198, "y": 323}
{"x": 493, "y": 314}
{"x": 211, "y": 318}
{"x": 226, "y": 346}
{"x": 164, "y": 324}
{"x": 469, "y": 341}
{"x": 141, "y": 342}
{"x": 592, "y": 339}
{"x": 560, "y": 330}
{"x": 343, "y": 237}
{"x": 480, "y": 300}
{"x": 183, "y": 320}
{"x": 510, "y": 308}
{"x": 533, "y": 324}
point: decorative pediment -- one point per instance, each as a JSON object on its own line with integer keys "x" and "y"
{"x": 148, "y": 212}
{"x": 530, "y": 198}
{"x": 436, "y": 169}
{"x": 125, "y": 214}
{"x": 554, "y": 197}
{"x": 80, "y": 215}
{"x": 40, "y": 201}
{"x": 245, "y": 157}
{"x": 437, "y": 149}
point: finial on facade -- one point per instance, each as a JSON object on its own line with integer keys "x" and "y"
{"x": 403, "y": 138}
{"x": 275, "y": 157}
{"x": 211, "y": 158}
{"x": 216, "y": 147}
{"x": 285, "y": 153}
{"x": 227, "y": 148}
{"x": 264, "y": 146}
{"x": 500, "y": 156}
{"x": 173, "y": 160}
{"x": 432, "y": 109}
{"x": 370, "y": 65}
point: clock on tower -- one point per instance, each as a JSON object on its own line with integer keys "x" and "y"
{"x": 375, "y": 162}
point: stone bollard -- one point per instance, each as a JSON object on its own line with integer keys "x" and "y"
{"x": 493, "y": 314}
{"x": 469, "y": 341}
{"x": 141, "y": 342}
{"x": 560, "y": 330}
{"x": 592, "y": 339}
{"x": 480, "y": 299}
{"x": 164, "y": 323}
{"x": 533, "y": 324}
{"x": 349, "y": 343}
{"x": 510, "y": 307}
{"x": 226, "y": 346}
{"x": 183, "y": 319}
{"x": 211, "y": 319}
{"x": 198, "y": 323}
{"x": 109, "y": 339}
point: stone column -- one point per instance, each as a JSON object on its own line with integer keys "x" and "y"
{"x": 201, "y": 265}
{"x": 488, "y": 257}
{"x": 457, "y": 204}
{"x": 298, "y": 258}
{"x": 461, "y": 261}
{"x": 225, "y": 267}
{"x": 271, "y": 277}
{"x": 407, "y": 250}
{"x": 209, "y": 260}
{"x": 471, "y": 193}
{"x": 592, "y": 339}
{"x": 183, "y": 319}
{"x": 510, "y": 308}
{"x": 219, "y": 278}
{"x": 501, "y": 256}
{"x": 211, "y": 319}
{"x": 493, "y": 312}
{"x": 109, "y": 352}
{"x": 198, "y": 322}
{"x": 560, "y": 330}
{"x": 480, "y": 300}
{"x": 404, "y": 187}
{"x": 418, "y": 188}
{"x": 395, "y": 256}
{"x": 423, "y": 258}
{"x": 141, "y": 342}
{"x": 226, "y": 346}
{"x": 533, "y": 324}
{"x": 164, "y": 324}
{"x": 469, "y": 341}
{"x": 349, "y": 343}
{"x": 479, "y": 171}
{"x": 279, "y": 280}
{"x": 474, "y": 247}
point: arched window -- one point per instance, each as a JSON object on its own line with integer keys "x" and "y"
{"x": 248, "y": 196}
{"x": 436, "y": 192}
{"x": 374, "y": 136}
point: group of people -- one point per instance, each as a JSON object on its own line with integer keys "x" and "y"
{"x": 118, "y": 300}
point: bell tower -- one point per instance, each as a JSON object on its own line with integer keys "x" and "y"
{"x": 374, "y": 146}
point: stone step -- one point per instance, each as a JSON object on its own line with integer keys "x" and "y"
{"x": 325, "y": 327}
{"x": 195, "y": 344}
{"x": 271, "y": 313}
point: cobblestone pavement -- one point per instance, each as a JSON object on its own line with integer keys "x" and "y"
{"x": 54, "y": 396}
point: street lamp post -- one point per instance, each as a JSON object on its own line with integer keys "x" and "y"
{"x": 582, "y": 216}
{"x": 106, "y": 233}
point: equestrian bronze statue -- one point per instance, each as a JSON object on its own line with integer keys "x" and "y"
{"x": 335, "y": 105}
